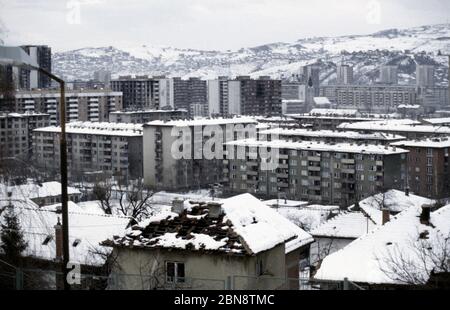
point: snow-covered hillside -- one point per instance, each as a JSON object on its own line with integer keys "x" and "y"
{"x": 366, "y": 53}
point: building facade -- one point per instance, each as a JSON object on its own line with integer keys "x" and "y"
{"x": 425, "y": 76}
{"x": 83, "y": 105}
{"x": 163, "y": 170}
{"x": 33, "y": 79}
{"x": 389, "y": 75}
{"x": 337, "y": 174}
{"x": 428, "y": 166}
{"x": 344, "y": 75}
{"x": 372, "y": 99}
{"x": 16, "y": 132}
{"x": 107, "y": 148}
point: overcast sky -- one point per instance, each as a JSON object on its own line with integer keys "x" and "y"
{"x": 205, "y": 24}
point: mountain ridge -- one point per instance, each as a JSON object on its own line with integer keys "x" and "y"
{"x": 404, "y": 47}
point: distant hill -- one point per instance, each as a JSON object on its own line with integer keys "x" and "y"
{"x": 403, "y": 47}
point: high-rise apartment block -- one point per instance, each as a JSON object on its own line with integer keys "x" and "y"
{"x": 33, "y": 79}
{"x": 319, "y": 172}
{"x": 107, "y": 148}
{"x": 144, "y": 92}
{"x": 162, "y": 167}
{"x": 389, "y": 75}
{"x": 425, "y": 76}
{"x": 86, "y": 105}
{"x": 344, "y": 75}
{"x": 245, "y": 96}
{"x": 16, "y": 132}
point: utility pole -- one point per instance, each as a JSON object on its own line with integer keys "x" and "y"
{"x": 63, "y": 172}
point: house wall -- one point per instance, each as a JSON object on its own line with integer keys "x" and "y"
{"x": 326, "y": 246}
{"x": 142, "y": 269}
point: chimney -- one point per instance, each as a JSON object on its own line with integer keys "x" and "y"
{"x": 215, "y": 209}
{"x": 386, "y": 216}
{"x": 178, "y": 206}
{"x": 59, "y": 241}
{"x": 425, "y": 215}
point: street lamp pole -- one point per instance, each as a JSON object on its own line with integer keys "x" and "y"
{"x": 63, "y": 171}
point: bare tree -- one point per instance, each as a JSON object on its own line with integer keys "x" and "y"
{"x": 134, "y": 201}
{"x": 103, "y": 193}
{"x": 417, "y": 264}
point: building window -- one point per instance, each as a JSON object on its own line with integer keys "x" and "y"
{"x": 175, "y": 272}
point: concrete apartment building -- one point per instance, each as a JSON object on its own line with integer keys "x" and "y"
{"x": 191, "y": 95}
{"x": 261, "y": 96}
{"x": 145, "y": 116}
{"x": 389, "y": 75}
{"x": 144, "y": 92}
{"x": 83, "y": 105}
{"x": 344, "y": 75}
{"x": 163, "y": 171}
{"x": 310, "y": 76}
{"x": 425, "y": 76}
{"x": 245, "y": 96}
{"x": 371, "y": 99}
{"x": 42, "y": 54}
{"x": 317, "y": 172}
{"x": 140, "y": 92}
{"x": 16, "y": 132}
{"x": 428, "y": 166}
{"x": 108, "y": 148}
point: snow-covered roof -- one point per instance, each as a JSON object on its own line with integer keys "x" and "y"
{"x": 48, "y": 93}
{"x": 367, "y": 259}
{"x": 203, "y": 122}
{"x": 34, "y": 191}
{"x": 96, "y": 128}
{"x": 303, "y": 132}
{"x": 321, "y": 101}
{"x": 279, "y": 203}
{"x": 409, "y": 106}
{"x": 321, "y": 146}
{"x": 90, "y": 229}
{"x": 395, "y": 126}
{"x": 438, "y": 121}
{"x": 393, "y": 200}
{"x": 439, "y": 142}
{"x": 246, "y": 227}
{"x": 347, "y": 225}
{"x": 306, "y": 218}
{"x": 147, "y": 112}
{"x": 337, "y": 112}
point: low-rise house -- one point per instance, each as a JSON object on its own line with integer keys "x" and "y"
{"x": 42, "y": 231}
{"x": 405, "y": 252}
{"x": 43, "y": 194}
{"x": 364, "y": 217}
{"x": 239, "y": 243}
